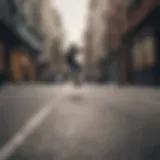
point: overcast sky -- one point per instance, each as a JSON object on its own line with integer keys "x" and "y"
{"x": 73, "y": 12}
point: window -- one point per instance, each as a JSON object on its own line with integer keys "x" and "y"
{"x": 143, "y": 52}
{"x": 149, "y": 49}
{"x": 137, "y": 55}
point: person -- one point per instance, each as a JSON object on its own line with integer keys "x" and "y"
{"x": 73, "y": 65}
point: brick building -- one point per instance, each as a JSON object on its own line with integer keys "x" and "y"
{"x": 141, "y": 58}
{"x": 133, "y": 42}
{"x": 116, "y": 26}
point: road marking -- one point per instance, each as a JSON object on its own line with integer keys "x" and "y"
{"x": 7, "y": 150}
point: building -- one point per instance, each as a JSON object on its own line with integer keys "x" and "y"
{"x": 17, "y": 45}
{"x": 57, "y": 43}
{"x": 126, "y": 34}
{"x": 54, "y": 36}
{"x": 51, "y": 27}
{"x": 116, "y": 26}
{"x": 44, "y": 14}
{"x": 141, "y": 40}
{"x": 95, "y": 36}
{"x": 88, "y": 50}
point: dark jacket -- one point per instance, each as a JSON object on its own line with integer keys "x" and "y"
{"x": 71, "y": 58}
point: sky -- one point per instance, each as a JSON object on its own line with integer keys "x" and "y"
{"x": 74, "y": 17}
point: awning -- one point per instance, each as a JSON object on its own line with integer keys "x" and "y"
{"x": 25, "y": 35}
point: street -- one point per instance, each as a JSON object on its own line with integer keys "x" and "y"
{"x": 63, "y": 122}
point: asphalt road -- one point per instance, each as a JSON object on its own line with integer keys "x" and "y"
{"x": 87, "y": 123}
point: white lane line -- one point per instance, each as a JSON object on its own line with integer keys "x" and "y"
{"x": 7, "y": 150}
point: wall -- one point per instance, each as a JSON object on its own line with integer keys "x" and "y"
{"x": 2, "y": 57}
{"x": 116, "y": 18}
{"x": 28, "y": 15}
{"x": 138, "y": 71}
{"x": 135, "y": 13}
{"x": 5, "y": 12}
{"x": 96, "y": 30}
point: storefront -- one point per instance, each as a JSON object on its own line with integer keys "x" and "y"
{"x": 21, "y": 66}
{"x": 140, "y": 59}
{"x": 144, "y": 57}
{"x": 12, "y": 66}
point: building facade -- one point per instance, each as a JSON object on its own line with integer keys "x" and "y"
{"x": 53, "y": 30}
{"x": 141, "y": 43}
{"x": 116, "y": 25}
{"x": 88, "y": 50}
{"x": 95, "y": 36}
{"x": 126, "y": 34}
{"x": 43, "y": 21}
{"x": 17, "y": 45}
